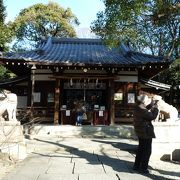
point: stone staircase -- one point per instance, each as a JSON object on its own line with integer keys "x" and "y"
{"x": 123, "y": 131}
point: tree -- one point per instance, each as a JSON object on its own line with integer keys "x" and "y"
{"x": 166, "y": 16}
{"x": 146, "y": 25}
{"x": 4, "y": 73}
{"x": 151, "y": 26}
{"x": 2, "y": 12}
{"x": 6, "y": 34}
{"x": 5, "y": 37}
{"x": 41, "y": 21}
{"x": 172, "y": 74}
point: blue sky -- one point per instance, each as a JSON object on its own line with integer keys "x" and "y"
{"x": 85, "y": 10}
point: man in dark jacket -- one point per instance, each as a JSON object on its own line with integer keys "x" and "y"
{"x": 144, "y": 131}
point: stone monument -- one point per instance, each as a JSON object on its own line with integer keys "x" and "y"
{"x": 11, "y": 131}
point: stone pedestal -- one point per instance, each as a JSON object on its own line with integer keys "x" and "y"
{"x": 167, "y": 132}
{"x": 167, "y": 141}
{"x": 12, "y": 139}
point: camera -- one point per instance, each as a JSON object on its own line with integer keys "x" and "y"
{"x": 155, "y": 102}
{"x": 152, "y": 104}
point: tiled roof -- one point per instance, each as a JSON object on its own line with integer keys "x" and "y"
{"x": 84, "y": 51}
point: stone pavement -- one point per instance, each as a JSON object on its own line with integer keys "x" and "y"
{"x": 58, "y": 158}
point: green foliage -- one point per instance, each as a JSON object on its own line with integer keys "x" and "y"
{"x": 4, "y": 73}
{"x": 41, "y": 21}
{"x": 5, "y": 37}
{"x": 146, "y": 25}
{"x": 118, "y": 22}
{"x": 165, "y": 10}
{"x": 5, "y": 31}
{"x": 2, "y": 12}
{"x": 171, "y": 75}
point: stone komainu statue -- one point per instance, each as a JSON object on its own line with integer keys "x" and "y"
{"x": 8, "y": 103}
{"x": 169, "y": 111}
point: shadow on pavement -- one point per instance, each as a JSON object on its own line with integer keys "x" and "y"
{"x": 131, "y": 148}
{"x": 116, "y": 164}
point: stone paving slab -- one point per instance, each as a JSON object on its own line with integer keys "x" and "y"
{"x": 115, "y": 169}
{"x": 83, "y": 168}
{"x": 38, "y": 158}
{"x": 56, "y": 159}
{"x": 21, "y": 177}
{"x": 29, "y": 168}
{"x": 98, "y": 177}
{"x": 84, "y": 159}
{"x": 58, "y": 177}
{"x": 60, "y": 168}
{"x": 84, "y": 156}
{"x": 128, "y": 176}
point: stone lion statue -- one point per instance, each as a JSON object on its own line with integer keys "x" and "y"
{"x": 168, "y": 111}
{"x": 8, "y": 103}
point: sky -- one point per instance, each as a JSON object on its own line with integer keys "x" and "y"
{"x": 84, "y": 10}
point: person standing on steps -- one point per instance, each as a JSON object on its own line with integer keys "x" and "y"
{"x": 144, "y": 130}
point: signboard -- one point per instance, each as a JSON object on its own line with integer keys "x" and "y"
{"x": 37, "y": 97}
{"x": 131, "y": 98}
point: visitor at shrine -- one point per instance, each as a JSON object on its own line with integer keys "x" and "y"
{"x": 144, "y": 131}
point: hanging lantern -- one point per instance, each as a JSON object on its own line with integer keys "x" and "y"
{"x": 84, "y": 82}
{"x": 85, "y": 70}
{"x": 96, "y": 81}
{"x": 57, "y": 69}
{"x": 71, "y": 82}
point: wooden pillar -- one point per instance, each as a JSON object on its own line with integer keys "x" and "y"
{"x": 33, "y": 72}
{"x": 138, "y": 90}
{"x": 111, "y": 102}
{"x": 56, "y": 102}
